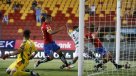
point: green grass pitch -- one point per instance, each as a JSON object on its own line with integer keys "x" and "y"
{"x": 52, "y": 69}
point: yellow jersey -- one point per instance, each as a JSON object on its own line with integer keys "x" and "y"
{"x": 27, "y": 48}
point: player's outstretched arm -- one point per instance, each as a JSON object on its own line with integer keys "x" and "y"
{"x": 10, "y": 54}
{"x": 14, "y": 52}
{"x": 32, "y": 55}
{"x": 97, "y": 32}
{"x": 67, "y": 28}
{"x": 55, "y": 31}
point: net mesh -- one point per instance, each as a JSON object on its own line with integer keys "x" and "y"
{"x": 102, "y": 13}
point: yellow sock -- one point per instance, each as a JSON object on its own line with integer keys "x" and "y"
{"x": 21, "y": 73}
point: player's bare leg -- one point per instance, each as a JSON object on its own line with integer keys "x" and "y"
{"x": 105, "y": 58}
{"x": 108, "y": 57}
{"x": 116, "y": 65}
{"x": 74, "y": 60}
{"x": 43, "y": 60}
{"x": 63, "y": 59}
{"x": 100, "y": 65}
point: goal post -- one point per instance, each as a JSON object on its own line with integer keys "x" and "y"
{"x": 118, "y": 30}
{"x": 117, "y": 23}
{"x": 81, "y": 37}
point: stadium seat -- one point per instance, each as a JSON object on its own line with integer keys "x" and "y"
{"x": 20, "y": 30}
{"x": 31, "y": 11}
{"x": 101, "y": 15}
{"x": 86, "y": 17}
{"x": 23, "y": 18}
{"x": 38, "y": 24}
{"x": 11, "y": 20}
{"x": 64, "y": 11}
{"x": 67, "y": 15}
{"x": 124, "y": 22}
{"x": 59, "y": 2}
{"x": 72, "y": 3}
{"x": 69, "y": 21}
{"x": 67, "y": 11}
{"x": 114, "y": 18}
{"x": 107, "y": 12}
{"x": 96, "y": 2}
{"x": 98, "y": 12}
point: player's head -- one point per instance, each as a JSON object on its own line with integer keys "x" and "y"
{"x": 48, "y": 18}
{"x": 75, "y": 27}
{"x": 91, "y": 28}
{"x": 26, "y": 34}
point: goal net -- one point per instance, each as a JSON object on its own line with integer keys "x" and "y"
{"x": 101, "y": 14}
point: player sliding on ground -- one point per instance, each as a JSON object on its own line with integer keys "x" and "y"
{"x": 26, "y": 52}
{"x": 106, "y": 56}
{"x": 49, "y": 45}
{"x": 74, "y": 34}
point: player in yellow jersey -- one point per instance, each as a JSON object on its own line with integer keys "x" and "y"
{"x": 26, "y": 52}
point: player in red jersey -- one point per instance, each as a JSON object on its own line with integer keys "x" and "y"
{"x": 49, "y": 45}
{"x": 106, "y": 56}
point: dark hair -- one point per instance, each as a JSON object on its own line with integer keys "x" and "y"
{"x": 75, "y": 27}
{"x": 26, "y": 33}
{"x": 92, "y": 28}
{"x": 43, "y": 19}
{"x": 48, "y": 16}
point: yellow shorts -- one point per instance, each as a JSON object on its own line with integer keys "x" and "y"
{"x": 18, "y": 65}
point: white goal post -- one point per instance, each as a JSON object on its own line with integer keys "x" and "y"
{"x": 118, "y": 30}
{"x": 81, "y": 36}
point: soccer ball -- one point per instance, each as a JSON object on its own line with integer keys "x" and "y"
{"x": 127, "y": 65}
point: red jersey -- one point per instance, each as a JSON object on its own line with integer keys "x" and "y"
{"x": 46, "y": 36}
{"x": 95, "y": 41}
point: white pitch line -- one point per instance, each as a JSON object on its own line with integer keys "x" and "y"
{"x": 101, "y": 72}
{"x": 107, "y": 71}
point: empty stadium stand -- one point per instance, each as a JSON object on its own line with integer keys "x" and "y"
{"x": 62, "y": 11}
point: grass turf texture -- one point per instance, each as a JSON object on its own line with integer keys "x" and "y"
{"x": 52, "y": 69}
